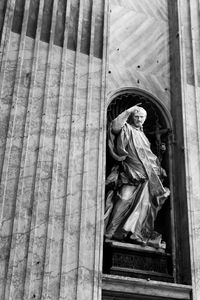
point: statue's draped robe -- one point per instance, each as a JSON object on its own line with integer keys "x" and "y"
{"x": 137, "y": 166}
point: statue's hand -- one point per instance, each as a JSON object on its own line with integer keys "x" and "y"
{"x": 133, "y": 108}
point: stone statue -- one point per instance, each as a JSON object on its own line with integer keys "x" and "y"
{"x": 135, "y": 190}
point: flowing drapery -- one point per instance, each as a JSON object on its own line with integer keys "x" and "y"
{"x": 139, "y": 169}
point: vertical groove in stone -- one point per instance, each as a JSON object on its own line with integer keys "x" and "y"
{"x": 87, "y": 214}
{"x": 174, "y": 70}
{"x": 98, "y": 249}
{"x": 98, "y": 35}
{"x": 4, "y": 63}
{"x": 6, "y": 20}
{"x": 6, "y": 92}
{"x": 72, "y": 209}
{"x": 5, "y": 31}
{"x": 18, "y": 16}
{"x": 12, "y": 159}
{"x": 73, "y": 26}
{"x": 85, "y": 36}
{"x": 46, "y": 21}
{"x": 32, "y": 19}
{"x": 30, "y": 152}
{"x": 42, "y": 185}
{"x": 188, "y": 41}
{"x": 3, "y": 6}
{"x": 60, "y": 23}
{"x": 194, "y": 8}
{"x": 196, "y": 37}
{"x": 53, "y": 262}
{"x": 183, "y": 72}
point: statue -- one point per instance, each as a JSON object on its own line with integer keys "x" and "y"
{"x": 135, "y": 190}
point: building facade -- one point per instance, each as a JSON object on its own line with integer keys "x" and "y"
{"x": 63, "y": 63}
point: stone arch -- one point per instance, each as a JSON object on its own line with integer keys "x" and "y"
{"x": 140, "y": 93}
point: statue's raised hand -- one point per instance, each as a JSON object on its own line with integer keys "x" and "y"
{"x": 134, "y": 108}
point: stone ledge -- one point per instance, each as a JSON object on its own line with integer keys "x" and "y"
{"x": 129, "y": 246}
{"x": 113, "y": 285}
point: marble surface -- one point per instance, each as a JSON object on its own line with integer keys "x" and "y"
{"x": 52, "y": 151}
{"x": 50, "y": 216}
{"x": 189, "y": 48}
{"x": 144, "y": 288}
{"x": 192, "y": 147}
{"x": 139, "y": 47}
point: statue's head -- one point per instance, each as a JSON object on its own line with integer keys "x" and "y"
{"x": 138, "y": 116}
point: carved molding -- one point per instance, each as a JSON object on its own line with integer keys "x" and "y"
{"x": 128, "y": 287}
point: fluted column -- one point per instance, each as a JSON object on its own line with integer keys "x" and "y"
{"x": 52, "y": 149}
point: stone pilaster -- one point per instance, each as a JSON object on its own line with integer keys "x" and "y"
{"x": 52, "y": 104}
{"x": 189, "y": 31}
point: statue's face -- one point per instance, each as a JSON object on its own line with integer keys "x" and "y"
{"x": 138, "y": 118}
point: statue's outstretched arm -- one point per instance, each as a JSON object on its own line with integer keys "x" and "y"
{"x": 119, "y": 122}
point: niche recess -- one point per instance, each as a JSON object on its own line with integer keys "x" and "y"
{"x": 159, "y": 130}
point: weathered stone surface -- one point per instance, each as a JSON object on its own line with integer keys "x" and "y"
{"x": 53, "y": 128}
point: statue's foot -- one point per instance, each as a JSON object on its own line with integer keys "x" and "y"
{"x": 136, "y": 240}
{"x": 115, "y": 237}
{"x": 157, "y": 244}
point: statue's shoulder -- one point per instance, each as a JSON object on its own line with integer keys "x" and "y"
{"x": 128, "y": 126}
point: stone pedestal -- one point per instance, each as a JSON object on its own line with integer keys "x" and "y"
{"x": 137, "y": 261}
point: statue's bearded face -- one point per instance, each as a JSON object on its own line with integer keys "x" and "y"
{"x": 138, "y": 118}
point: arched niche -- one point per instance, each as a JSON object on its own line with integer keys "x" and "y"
{"x": 158, "y": 128}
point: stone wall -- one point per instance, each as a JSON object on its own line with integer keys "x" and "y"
{"x": 52, "y": 83}
{"x": 61, "y": 63}
{"x": 139, "y": 50}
